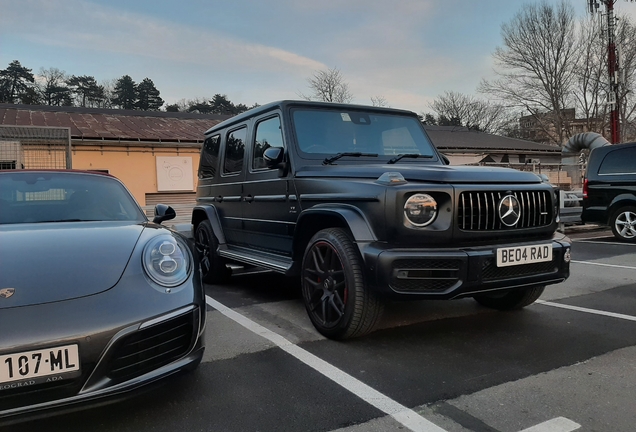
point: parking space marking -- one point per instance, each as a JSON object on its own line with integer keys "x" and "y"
{"x": 591, "y": 240}
{"x": 586, "y": 310}
{"x": 603, "y": 265}
{"x": 559, "y": 424}
{"x": 405, "y": 416}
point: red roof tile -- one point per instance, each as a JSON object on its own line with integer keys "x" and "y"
{"x": 97, "y": 123}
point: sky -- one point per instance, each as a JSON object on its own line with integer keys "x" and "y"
{"x": 407, "y": 52}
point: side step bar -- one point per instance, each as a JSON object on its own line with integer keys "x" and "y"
{"x": 266, "y": 260}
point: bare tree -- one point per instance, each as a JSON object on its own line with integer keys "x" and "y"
{"x": 51, "y": 84}
{"x": 592, "y": 87}
{"x": 471, "y": 112}
{"x": 329, "y": 86}
{"x": 626, "y": 34}
{"x": 537, "y": 66}
{"x": 379, "y": 101}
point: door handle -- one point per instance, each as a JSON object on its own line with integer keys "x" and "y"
{"x": 248, "y": 198}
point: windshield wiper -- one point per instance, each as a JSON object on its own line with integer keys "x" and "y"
{"x": 328, "y": 161}
{"x": 409, "y": 155}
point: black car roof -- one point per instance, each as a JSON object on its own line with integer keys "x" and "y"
{"x": 284, "y": 104}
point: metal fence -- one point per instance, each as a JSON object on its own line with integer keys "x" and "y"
{"x": 35, "y": 147}
{"x": 568, "y": 177}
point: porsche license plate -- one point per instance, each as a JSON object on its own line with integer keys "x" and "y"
{"x": 523, "y": 255}
{"x": 40, "y": 363}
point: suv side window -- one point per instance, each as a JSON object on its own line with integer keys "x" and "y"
{"x": 209, "y": 156}
{"x": 234, "y": 151}
{"x": 621, "y": 161}
{"x": 268, "y": 134}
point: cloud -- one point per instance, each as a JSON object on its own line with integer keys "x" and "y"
{"x": 83, "y": 26}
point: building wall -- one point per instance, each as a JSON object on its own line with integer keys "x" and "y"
{"x": 136, "y": 167}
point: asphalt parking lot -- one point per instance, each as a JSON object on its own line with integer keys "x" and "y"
{"x": 565, "y": 363}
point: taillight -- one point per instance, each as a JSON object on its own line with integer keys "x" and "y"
{"x": 585, "y": 188}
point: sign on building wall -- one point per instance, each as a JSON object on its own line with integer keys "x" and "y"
{"x": 174, "y": 173}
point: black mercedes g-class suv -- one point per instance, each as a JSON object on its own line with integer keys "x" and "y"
{"x": 358, "y": 202}
{"x": 609, "y": 189}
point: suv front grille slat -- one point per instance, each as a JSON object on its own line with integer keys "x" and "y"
{"x": 479, "y": 211}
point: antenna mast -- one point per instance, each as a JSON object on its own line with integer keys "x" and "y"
{"x": 612, "y": 65}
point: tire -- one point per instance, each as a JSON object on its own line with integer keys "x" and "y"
{"x": 333, "y": 288}
{"x": 213, "y": 268}
{"x": 623, "y": 223}
{"x": 511, "y": 300}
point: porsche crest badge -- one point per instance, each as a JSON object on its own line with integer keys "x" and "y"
{"x": 6, "y": 292}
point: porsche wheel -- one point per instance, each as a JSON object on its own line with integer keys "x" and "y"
{"x": 510, "y": 300}
{"x": 335, "y": 295}
{"x": 623, "y": 223}
{"x": 213, "y": 268}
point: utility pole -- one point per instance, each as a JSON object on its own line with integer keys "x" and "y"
{"x": 612, "y": 66}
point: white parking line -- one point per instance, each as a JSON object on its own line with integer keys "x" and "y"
{"x": 603, "y": 265}
{"x": 592, "y": 241}
{"x": 407, "y": 417}
{"x": 586, "y": 310}
{"x": 559, "y": 424}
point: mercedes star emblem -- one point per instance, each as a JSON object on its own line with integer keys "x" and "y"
{"x": 509, "y": 210}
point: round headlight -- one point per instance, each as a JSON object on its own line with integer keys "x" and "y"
{"x": 166, "y": 261}
{"x": 420, "y": 210}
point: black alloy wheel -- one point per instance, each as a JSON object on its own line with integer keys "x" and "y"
{"x": 213, "y": 268}
{"x": 336, "y": 298}
{"x": 511, "y": 300}
{"x": 623, "y": 224}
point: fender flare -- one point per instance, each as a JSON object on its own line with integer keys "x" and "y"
{"x": 209, "y": 212}
{"x": 350, "y": 215}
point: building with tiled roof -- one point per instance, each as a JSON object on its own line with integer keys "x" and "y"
{"x": 139, "y": 147}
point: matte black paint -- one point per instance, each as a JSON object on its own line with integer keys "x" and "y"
{"x": 267, "y": 217}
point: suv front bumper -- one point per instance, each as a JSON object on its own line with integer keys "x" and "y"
{"x": 460, "y": 272}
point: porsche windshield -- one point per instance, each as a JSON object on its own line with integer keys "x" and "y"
{"x": 37, "y": 197}
{"x": 329, "y": 132}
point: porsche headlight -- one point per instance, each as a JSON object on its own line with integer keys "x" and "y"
{"x": 420, "y": 210}
{"x": 166, "y": 261}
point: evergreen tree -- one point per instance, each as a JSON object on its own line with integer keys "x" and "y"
{"x": 14, "y": 83}
{"x": 148, "y": 96}
{"x": 125, "y": 93}
{"x": 87, "y": 92}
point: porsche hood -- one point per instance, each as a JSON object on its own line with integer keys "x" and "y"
{"x": 51, "y": 262}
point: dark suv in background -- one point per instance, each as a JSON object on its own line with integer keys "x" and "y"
{"x": 609, "y": 189}
{"x": 358, "y": 203}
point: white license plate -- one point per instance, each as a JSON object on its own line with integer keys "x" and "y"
{"x": 524, "y": 255}
{"x": 40, "y": 363}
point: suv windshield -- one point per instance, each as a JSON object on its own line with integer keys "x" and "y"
{"x": 329, "y": 132}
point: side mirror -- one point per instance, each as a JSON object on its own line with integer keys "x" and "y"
{"x": 163, "y": 212}
{"x": 273, "y": 157}
{"x": 445, "y": 159}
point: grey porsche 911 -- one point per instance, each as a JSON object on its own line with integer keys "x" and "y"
{"x": 95, "y": 299}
